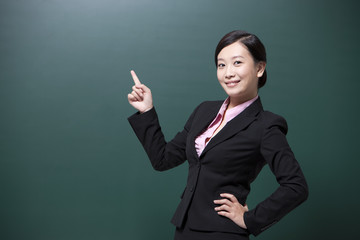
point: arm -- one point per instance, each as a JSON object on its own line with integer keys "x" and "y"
{"x": 293, "y": 189}
{"x": 146, "y": 126}
{"x": 162, "y": 155}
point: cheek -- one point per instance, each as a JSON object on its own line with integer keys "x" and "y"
{"x": 247, "y": 74}
{"x": 219, "y": 75}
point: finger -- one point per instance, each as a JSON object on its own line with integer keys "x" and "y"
{"x": 138, "y": 90}
{"x": 137, "y": 96}
{"x": 223, "y": 208}
{"x": 229, "y": 196}
{"x": 135, "y": 78}
{"x": 145, "y": 88}
{"x": 224, "y": 213}
{"x": 223, "y": 201}
{"x": 131, "y": 98}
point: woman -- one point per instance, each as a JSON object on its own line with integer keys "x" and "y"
{"x": 226, "y": 144}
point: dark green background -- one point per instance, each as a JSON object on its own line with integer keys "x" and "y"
{"x": 70, "y": 166}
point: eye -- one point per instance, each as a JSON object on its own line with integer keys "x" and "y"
{"x": 237, "y": 62}
{"x": 221, "y": 65}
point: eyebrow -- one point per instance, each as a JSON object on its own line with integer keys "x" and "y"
{"x": 237, "y": 56}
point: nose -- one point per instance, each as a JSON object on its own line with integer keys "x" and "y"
{"x": 229, "y": 72}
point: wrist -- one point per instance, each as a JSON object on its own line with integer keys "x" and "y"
{"x": 146, "y": 109}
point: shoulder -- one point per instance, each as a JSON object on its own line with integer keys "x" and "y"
{"x": 271, "y": 120}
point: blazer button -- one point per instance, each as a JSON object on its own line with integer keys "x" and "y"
{"x": 191, "y": 189}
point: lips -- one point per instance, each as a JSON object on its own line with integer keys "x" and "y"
{"x": 232, "y": 83}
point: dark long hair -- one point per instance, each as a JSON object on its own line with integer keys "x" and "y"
{"x": 253, "y": 44}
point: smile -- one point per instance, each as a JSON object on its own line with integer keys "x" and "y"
{"x": 232, "y": 83}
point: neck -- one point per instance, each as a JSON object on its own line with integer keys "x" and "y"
{"x": 237, "y": 101}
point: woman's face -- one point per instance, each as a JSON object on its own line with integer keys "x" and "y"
{"x": 238, "y": 73}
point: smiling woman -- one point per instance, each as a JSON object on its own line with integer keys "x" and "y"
{"x": 238, "y": 73}
{"x": 226, "y": 144}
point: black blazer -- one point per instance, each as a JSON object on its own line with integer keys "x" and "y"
{"x": 229, "y": 163}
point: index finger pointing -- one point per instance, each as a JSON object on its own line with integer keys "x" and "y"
{"x": 135, "y": 78}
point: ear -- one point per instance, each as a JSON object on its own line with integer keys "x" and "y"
{"x": 260, "y": 68}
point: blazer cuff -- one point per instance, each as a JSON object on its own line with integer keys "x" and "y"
{"x": 142, "y": 116}
{"x": 252, "y": 226}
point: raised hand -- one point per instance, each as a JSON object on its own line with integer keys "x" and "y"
{"x": 140, "y": 98}
{"x": 232, "y": 209}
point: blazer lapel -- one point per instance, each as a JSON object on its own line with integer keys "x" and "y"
{"x": 235, "y": 125}
{"x": 203, "y": 121}
{"x": 206, "y": 118}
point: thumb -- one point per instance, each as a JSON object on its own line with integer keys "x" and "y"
{"x": 246, "y": 207}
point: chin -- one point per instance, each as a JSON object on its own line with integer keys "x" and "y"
{"x": 234, "y": 93}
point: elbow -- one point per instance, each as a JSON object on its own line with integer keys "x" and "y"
{"x": 299, "y": 193}
{"x": 300, "y": 189}
{"x": 302, "y": 193}
{"x": 302, "y": 196}
{"x": 158, "y": 168}
{"x": 304, "y": 190}
{"x": 305, "y": 193}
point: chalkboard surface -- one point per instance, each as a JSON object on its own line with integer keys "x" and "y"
{"x": 70, "y": 165}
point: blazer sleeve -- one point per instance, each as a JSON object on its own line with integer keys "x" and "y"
{"x": 292, "y": 190}
{"x": 163, "y": 155}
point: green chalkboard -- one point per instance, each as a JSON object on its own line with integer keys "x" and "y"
{"x": 70, "y": 165}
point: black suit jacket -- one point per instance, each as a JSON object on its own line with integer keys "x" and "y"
{"x": 229, "y": 163}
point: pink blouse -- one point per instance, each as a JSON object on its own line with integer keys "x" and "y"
{"x": 202, "y": 140}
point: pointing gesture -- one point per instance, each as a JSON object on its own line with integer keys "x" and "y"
{"x": 140, "y": 98}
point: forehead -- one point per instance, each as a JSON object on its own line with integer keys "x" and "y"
{"x": 236, "y": 49}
